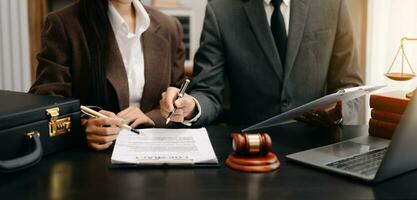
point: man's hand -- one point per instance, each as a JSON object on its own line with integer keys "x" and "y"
{"x": 326, "y": 117}
{"x": 101, "y": 132}
{"x": 186, "y": 106}
{"x": 134, "y": 117}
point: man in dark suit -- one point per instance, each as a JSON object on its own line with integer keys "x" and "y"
{"x": 277, "y": 55}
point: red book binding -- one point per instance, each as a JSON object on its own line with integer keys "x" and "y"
{"x": 394, "y": 102}
{"x": 381, "y": 128}
{"x": 385, "y": 116}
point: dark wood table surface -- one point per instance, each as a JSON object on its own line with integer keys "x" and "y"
{"x": 81, "y": 173}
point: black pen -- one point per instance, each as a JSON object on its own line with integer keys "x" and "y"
{"x": 92, "y": 113}
{"x": 180, "y": 95}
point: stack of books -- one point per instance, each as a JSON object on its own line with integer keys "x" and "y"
{"x": 386, "y": 112}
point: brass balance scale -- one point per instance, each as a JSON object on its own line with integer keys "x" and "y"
{"x": 402, "y": 76}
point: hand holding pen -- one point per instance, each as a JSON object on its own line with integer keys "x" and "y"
{"x": 95, "y": 114}
{"x": 101, "y": 132}
{"x": 180, "y": 95}
{"x": 176, "y": 105}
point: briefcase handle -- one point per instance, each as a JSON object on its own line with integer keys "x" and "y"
{"x": 25, "y": 161}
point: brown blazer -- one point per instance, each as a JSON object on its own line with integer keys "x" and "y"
{"x": 65, "y": 53}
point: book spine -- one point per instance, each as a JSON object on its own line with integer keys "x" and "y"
{"x": 381, "y": 129}
{"x": 388, "y": 104}
{"x": 385, "y": 116}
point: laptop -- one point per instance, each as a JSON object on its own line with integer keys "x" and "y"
{"x": 369, "y": 158}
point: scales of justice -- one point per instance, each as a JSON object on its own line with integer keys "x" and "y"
{"x": 402, "y": 75}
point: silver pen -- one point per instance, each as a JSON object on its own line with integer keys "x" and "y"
{"x": 180, "y": 95}
{"x": 93, "y": 113}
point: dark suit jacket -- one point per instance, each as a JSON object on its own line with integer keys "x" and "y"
{"x": 237, "y": 44}
{"x": 65, "y": 53}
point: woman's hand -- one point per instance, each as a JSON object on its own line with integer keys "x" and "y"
{"x": 101, "y": 132}
{"x": 134, "y": 117}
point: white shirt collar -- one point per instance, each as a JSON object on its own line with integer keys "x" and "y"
{"x": 286, "y": 2}
{"x": 119, "y": 24}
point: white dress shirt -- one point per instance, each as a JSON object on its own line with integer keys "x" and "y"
{"x": 131, "y": 48}
{"x": 285, "y": 10}
{"x": 269, "y": 9}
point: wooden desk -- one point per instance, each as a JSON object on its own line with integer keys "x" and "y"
{"x": 84, "y": 174}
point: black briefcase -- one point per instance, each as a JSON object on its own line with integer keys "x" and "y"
{"x": 32, "y": 126}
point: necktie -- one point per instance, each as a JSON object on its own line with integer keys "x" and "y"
{"x": 278, "y": 30}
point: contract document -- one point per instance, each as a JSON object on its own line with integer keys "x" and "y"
{"x": 343, "y": 95}
{"x": 182, "y": 147}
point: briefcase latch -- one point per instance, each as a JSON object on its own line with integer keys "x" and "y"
{"x": 57, "y": 126}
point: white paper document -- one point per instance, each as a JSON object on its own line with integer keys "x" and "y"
{"x": 344, "y": 95}
{"x": 164, "y": 146}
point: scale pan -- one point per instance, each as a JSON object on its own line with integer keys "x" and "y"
{"x": 400, "y": 76}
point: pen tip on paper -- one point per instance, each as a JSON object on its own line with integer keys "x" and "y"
{"x": 135, "y": 131}
{"x": 167, "y": 122}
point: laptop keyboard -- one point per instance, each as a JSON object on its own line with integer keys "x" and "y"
{"x": 366, "y": 164}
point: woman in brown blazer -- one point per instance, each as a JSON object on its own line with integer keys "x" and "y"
{"x": 115, "y": 54}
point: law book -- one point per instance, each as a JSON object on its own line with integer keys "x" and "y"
{"x": 381, "y": 129}
{"x": 385, "y": 116}
{"x": 394, "y": 102}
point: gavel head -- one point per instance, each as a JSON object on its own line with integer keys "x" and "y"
{"x": 251, "y": 144}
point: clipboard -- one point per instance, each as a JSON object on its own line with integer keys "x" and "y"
{"x": 347, "y": 94}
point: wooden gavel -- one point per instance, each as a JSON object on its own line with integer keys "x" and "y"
{"x": 252, "y": 153}
{"x": 251, "y": 144}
